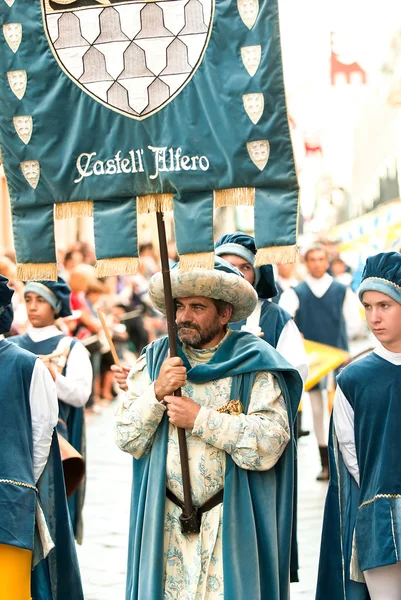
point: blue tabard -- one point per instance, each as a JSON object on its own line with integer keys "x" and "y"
{"x": 370, "y": 512}
{"x": 273, "y": 319}
{"x": 256, "y": 533}
{"x": 321, "y": 319}
{"x": 70, "y": 425}
{"x": 17, "y": 483}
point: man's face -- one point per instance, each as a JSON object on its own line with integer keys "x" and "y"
{"x": 286, "y": 270}
{"x": 383, "y": 315}
{"x": 198, "y": 322}
{"x": 40, "y": 312}
{"x": 317, "y": 263}
{"x": 242, "y": 265}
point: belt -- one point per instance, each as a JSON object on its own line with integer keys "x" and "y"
{"x": 198, "y": 510}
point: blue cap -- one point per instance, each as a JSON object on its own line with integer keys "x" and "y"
{"x": 243, "y": 245}
{"x": 56, "y": 293}
{"x": 382, "y": 273}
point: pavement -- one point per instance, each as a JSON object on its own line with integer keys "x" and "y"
{"x": 103, "y": 555}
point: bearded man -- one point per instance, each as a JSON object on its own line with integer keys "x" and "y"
{"x": 238, "y": 404}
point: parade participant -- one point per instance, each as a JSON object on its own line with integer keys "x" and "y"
{"x": 70, "y": 368}
{"x": 326, "y": 312}
{"x": 238, "y": 404}
{"x": 285, "y": 279}
{"x": 273, "y": 322}
{"x": 276, "y": 325}
{"x": 30, "y": 469}
{"x": 361, "y": 542}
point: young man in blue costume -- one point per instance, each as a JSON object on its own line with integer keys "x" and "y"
{"x": 276, "y": 324}
{"x": 37, "y": 550}
{"x": 238, "y": 404}
{"x": 325, "y": 311}
{"x": 361, "y": 543}
{"x": 70, "y": 368}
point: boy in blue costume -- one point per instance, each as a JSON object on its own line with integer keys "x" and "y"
{"x": 238, "y": 404}
{"x": 37, "y": 551}
{"x": 325, "y": 311}
{"x": 70, "y": 369}
{"x": 361, "y": 543}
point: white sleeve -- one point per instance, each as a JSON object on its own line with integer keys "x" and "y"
{"x": 352, "y": 314}
{"x": 291, "y": 345}
{"x": 75, "y": 387}
{"x": 44, "y": 415}
{"x": 343, "y": 416}
{"x": 289, "y": 301}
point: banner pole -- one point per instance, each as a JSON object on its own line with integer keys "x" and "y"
{"x": 171, "y": 331}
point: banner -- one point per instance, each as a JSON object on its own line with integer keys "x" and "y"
{"x": 321, "y": 360}
{"x": 113, "y": 107}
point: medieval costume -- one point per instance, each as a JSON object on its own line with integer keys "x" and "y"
{"x": 361, "y": 540}
{"x": 242, "y": 442}
{"x": 32, "y": 495}
{"x": 277, "y": 327}
{"x": 325, "y": 311}
{"x": 73, "y": 377}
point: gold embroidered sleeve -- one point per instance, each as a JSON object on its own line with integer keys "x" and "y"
{"x": 255, "y": 440}
{"x": 140, "y": 413}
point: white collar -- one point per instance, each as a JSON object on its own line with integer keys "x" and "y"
{"x": 392, "y": 357}
{"x": 39, "y": 334}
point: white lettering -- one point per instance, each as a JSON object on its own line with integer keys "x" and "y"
{"x": 98, "y": 167}
{"x": 185, "y": 160}
{"x": 83, "y": 170}
{"x": 111, "y": 168}
{"x": 204, "y": 163}
{"x": 125, "y": 166}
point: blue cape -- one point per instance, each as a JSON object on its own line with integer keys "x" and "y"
{"x": 257, "y": 504}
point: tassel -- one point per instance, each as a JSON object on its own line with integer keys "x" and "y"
{"x": 39, "y": 271}
{"x": 276, "y": 255}
{"x": 105, "y": 267}
{"x": 202, "y": 260}
{"x": 234, "y": 197}
{"x": 155, "y": 203}
{"x": 66, "y": 210}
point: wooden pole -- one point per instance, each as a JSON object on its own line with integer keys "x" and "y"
{"x": 172, "y": 338}
{"x": 108, "y": 336}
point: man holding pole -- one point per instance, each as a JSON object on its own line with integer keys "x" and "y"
{"x": 237, "y": 407}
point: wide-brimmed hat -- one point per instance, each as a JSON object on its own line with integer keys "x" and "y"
{"x": 382, "y": 273}
{"x": 224, "y": 282}
{"x": 56, "y": 293}
{"x": 243, "y": 245}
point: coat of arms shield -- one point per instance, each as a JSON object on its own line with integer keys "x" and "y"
{"x": 132, "y": 56}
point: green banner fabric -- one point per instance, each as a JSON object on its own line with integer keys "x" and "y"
{"x": 147, "y": 105}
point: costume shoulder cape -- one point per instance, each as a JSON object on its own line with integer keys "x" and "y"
{"x": 257, "y": 505}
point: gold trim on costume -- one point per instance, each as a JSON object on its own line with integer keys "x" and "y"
{"x": 378, "y": 496}
{"x": 233, "y": 408}
{"x": 19, "y": 483}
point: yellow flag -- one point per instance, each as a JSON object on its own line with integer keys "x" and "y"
{"x": 322, "y": 359}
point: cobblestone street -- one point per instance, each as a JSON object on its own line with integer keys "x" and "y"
{"x": 104, "y": 552}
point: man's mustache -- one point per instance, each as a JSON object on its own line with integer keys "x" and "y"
{"x": 188, "y": 325}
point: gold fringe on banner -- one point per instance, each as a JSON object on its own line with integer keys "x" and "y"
{"x": 105, "y": 267}
{"x": 155, "y": 203}
{"x": 37, "y": 271}
{"x": 203, "y": 260}
{"x": 234, "y": 197}
{"x": 275, "y": 255}
{"x": 66, "y": 210}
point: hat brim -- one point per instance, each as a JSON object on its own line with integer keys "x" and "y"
{"x": 377, "y": 284}
{"x": 210, "y": 284}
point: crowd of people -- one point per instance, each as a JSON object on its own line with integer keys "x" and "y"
{"x": 241, "y": 366}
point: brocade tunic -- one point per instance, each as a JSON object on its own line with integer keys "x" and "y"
{"x": 193, "y": 563}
